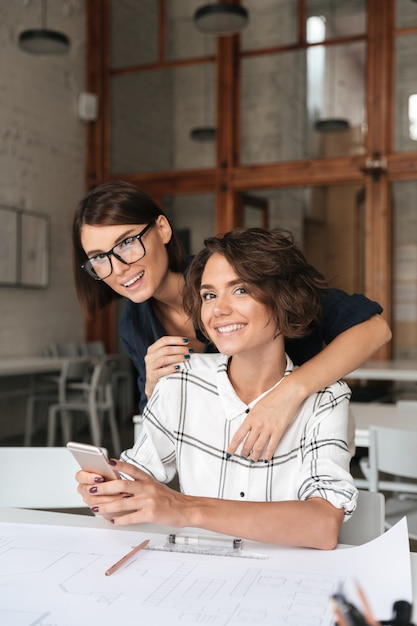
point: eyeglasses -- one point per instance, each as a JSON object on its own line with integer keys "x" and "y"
{"x": 127, "y": 251}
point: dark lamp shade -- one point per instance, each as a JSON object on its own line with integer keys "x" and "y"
{"x": 221, "y": 18}
{"x": 43, "y": 41}
{"x": 332, "y": 125}
{"x": 203, "y": 133}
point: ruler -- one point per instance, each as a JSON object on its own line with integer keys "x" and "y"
{"x": 209, "y": 550}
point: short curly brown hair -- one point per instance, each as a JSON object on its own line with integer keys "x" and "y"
{"x": 275, "y": 271}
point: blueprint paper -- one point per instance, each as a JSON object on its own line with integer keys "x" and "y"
{"x": 54, "y": 576}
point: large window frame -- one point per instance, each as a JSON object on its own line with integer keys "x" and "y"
{"x": 376, "y": 169}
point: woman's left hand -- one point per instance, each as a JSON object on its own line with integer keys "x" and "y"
{"x": 144, "y": 499}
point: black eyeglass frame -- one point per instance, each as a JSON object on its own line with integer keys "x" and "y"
{"x": 87, "y": 266}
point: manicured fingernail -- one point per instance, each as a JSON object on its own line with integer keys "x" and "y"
{"x": 112, "y": 462}
{"x": 191, "y": 350}
{"x": 176, "y": 367}
{"x": 186, "y": 356}
{"x": 266, "y": 461}
{"x": 185, "y": 340}
{"x": 94, "y": 509}
{"x": 99, "y": 479}
{"x": 228, "y": 455}
{"x": 252, "y": 461}
{"x": 93, "y": 489}
{"x": 112, "y": 521}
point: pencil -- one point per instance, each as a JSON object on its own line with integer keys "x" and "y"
{"x": 367, "y": 609}
{"x": 125, "y": 558}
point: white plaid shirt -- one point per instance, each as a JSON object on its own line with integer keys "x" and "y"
{"x": 192, "y": 415}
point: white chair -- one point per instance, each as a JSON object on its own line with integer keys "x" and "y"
{"x": 53, "y": 389}
{"x": 367, "y": 522}
{"x": 66, "y": 348}
{"x": 95, "y": 399}
{"x": 122, "y": 382}
{"x": 393, "y": 452}
{"x": 92, "y": 348}
{"x": 38, "y": 478}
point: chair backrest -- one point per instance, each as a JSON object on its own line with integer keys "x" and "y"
{"x": 73, "y": 370}
{"x": 38, "y": 478}
{"x": 367, "y": 522}
{"x": 66, "y": 348}
{"x": 92, "y": 348}
{"x": 392, "y": 451}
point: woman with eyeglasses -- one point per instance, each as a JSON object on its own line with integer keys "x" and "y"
{"x": 125, "y": 246}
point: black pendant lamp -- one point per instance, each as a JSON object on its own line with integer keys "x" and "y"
{"x": 43, "y": 40}
{"x": 221, "y": 18}
{"x": 332, "y": 125}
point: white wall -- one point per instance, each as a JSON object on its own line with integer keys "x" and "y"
{"x": 42, "y": 166}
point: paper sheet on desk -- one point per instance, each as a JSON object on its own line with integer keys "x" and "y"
{"x": 54, "y": 575}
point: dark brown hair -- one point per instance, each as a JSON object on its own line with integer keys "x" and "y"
{"x": 109, "y": 204}
{"x": 275, "y": 272}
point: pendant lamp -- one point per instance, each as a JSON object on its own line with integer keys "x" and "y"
{"x": 43, "y": 40}
{"x": 332, "y": 125}
{"x": 221, "y": 18}
{"x": 206, "y": 132}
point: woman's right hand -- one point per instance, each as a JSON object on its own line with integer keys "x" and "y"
{"x": 87, "y": 486}
{"x": 162, "y": 357}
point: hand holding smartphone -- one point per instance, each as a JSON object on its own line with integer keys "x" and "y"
{"x": 92, "y": 459}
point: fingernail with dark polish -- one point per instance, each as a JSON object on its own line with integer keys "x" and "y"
{"x": 112, "y": 462}
{"x": 99, "y": 479}
{"x": 176, "y": 367}
{"x": 228, "y": 455}
{"x": 186, "y": 356}
{"x": 93, "y": 489}
{"x": 191, "y": 350}
{"x": 185, "y": 340}
{"x": 94, "y": 509}
{"x": 112, "y": 521}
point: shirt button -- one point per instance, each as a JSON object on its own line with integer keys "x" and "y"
{"x": 242, "y": 494}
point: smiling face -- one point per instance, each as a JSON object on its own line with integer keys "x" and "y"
{"x": 140, "y": 280}
{"x": 235, "y": 322}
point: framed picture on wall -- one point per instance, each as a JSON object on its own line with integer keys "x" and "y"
{"x": 34, "y": 249}
{"x": 9, "y": 236}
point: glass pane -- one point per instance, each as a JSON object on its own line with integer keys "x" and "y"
{"x": 336, "y": 99}
{"x": 153, "y": 114}
{"x": 193, "y": 217}
{"x": 183, "y": 39}
{"x": 133, "y": 24}
{"x": 340, "y": 17}
{"x": 271, "y": 23}
{"x": 405, "y": 112}
{"x": 405, "y": 269}
{"x": 283, "y": 96}
{"x": 328, "y": 223}
{"x": 405, "y": 13}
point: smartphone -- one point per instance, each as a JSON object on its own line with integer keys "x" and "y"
{"x": 92, "y": 459}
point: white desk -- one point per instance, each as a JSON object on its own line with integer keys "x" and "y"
{"x": 389, "y": 415}
{"x": 199, "y": 586}
{"x": 24, "y": 366}
{"x": 399, "y": 370}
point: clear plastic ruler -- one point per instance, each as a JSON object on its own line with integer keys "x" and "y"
{"x": 198, "y": 544}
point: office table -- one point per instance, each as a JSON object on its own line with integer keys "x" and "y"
{"x": 165, "y": 587}
{"x": 31, "y": 365}
{"x": 378, "y": 414}
{"x": 396, "y": 370}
